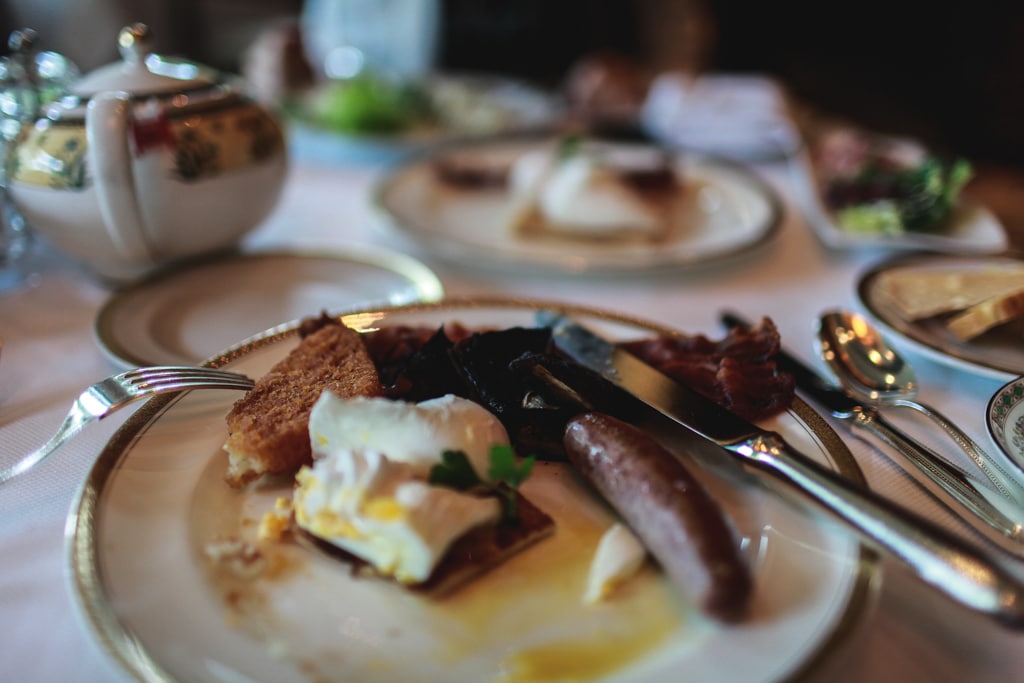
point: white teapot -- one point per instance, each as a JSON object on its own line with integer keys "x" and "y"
{"x": 146, "y": 161}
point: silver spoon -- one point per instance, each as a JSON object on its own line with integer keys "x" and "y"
{"x": 871, "y": 369}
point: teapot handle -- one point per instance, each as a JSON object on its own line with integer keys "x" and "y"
{"x": 106, "y": 134}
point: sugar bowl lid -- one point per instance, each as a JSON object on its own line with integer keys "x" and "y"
{"x": 143, "y": 72}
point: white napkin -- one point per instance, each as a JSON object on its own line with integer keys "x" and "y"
{"x": 740, "y": 116}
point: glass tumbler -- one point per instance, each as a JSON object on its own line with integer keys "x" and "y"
{"x": 29, "y": 80}
{"x": 343, "y": 38}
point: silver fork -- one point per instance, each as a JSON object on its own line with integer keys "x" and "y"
{"x": 113, "y": 393}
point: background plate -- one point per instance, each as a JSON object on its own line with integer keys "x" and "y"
{"x": 726, "y": 211}
{"x": 185, "y": 315}
{"x": 156, "y": 495}
{"x": 476, "y": 105}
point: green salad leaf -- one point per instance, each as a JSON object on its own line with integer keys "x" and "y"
{"x": 369, "y": 104}
{"x": 569, "y": 146}
{"x": 877, "y": 218}
{"x": 914, "y": 199}
{"x": 935, "y": 188}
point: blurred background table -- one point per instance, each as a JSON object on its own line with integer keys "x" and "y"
{"x": 952, "y": 78}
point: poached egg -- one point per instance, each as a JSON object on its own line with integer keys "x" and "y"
{"x": 582, "y": 194}
{"x": 367, "y": 491}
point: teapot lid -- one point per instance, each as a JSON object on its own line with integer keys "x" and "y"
{"x": 142, "y": 72}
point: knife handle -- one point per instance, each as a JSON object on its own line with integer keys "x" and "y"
{"x": 981, "y": 581}
{"x": 942, "y": 480}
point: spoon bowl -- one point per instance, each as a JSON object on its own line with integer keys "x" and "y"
{"x": 869, "y": 368}
{"x": 858, "y": 353}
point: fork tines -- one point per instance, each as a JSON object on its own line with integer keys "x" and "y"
{"x": 174, "y": 375}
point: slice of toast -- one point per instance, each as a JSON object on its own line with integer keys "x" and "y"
{"x": 918, "y": 293}
{"x": 268, "y": 428}
{"x": 982, "y": 317}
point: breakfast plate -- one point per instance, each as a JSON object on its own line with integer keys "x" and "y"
{"x": 184, "y": 315}
{"x": 997, "y": 354}
{"x": 464, "y": 106}
{"x": 156, "y": 496}
{"x": 722, "y": 210}
{"x": 971, "y": 228}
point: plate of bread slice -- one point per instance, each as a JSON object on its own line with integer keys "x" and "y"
{"x": 577, "y": 205}
{"x": 964, "y": 311}
{"x": 247, "y": 537}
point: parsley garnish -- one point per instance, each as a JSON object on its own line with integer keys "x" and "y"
{"x": 507, "y": 475}
{"x": 454, "y": 471}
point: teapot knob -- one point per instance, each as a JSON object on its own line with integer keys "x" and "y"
{"x": 134, "y": 43}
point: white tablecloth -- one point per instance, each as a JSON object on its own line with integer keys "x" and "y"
{"x": 49, "y": 355}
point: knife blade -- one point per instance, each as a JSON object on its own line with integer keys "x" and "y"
{"x": 951, "y": 486}
{"x": 962, "y": 571}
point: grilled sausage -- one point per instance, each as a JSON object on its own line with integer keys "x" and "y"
{"x": 668, "y": 509}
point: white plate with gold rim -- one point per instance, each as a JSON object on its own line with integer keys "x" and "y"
{"x": 185, "y": 315}
{"x": 723, "y": 210}
{"x": 156, "y": 496}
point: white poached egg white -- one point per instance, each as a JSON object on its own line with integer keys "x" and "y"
{"x": 368, "y": 491}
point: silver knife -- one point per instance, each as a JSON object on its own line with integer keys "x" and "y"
{"x": 964, "y": 572}
{"x": 950, "y": 485}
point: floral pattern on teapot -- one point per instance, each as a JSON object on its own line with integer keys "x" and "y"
{"x": 53, "y": 154}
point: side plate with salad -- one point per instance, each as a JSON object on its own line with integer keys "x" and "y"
{"x": 860, "y": 190}
{"x": 372, "y": 118}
